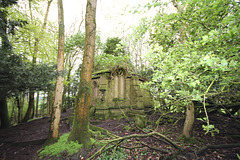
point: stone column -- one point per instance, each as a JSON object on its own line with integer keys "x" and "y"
{"x": 121, "y": 87}
{"x": 115, "y": 93}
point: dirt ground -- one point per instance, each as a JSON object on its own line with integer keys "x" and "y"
{"x": 22, "y": 142}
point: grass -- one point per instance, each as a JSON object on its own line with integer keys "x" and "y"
{"x": 62, "y": 146}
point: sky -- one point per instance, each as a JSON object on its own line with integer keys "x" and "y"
{"x": 113, "y": 17}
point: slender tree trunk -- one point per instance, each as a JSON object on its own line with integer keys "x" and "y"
{"x": 189, "y": 121}
{"x": 4, "y": 117}
{"x": 30, "y": 106}
{"x": 19, "y": 109}
{"x": 56, "y": 110}
{"x": 44, "y": 101}
{"x": 12, "y": 118}
{"x": 80, "y": 130}
{"x": 37, "y": 103}
{"x": 33, "y": 108}
{"x": 69, "y": 97}
{"x": 22, "y": 103}
{"x": 49, "y": 102}
{"x": 65, "y": 107}
{"x": 64, "y": 98}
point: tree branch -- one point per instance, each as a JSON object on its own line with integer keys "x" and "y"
{"x": 219, "y": 146}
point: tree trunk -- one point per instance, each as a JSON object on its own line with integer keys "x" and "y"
{"x": 189, "y": 121}
{"x": 22, "y": 103}
{"x": 65, "y": 88}
{"x": 13, "y": 103}
{"x": 33, "y": 108}
{"x": 56, "y": 110}
{"x": 30, "y": 106}
{"x": 49, "y": 102}
{"x": 4, "y": 117}
{"x": 37, "y": 102}
{"x": 80, "y": 130}
{"x": 19, "y": 109}
{"x": 43, "y": 102}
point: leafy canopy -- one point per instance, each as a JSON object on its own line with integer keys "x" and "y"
{"x": 195, "y": 51}
{"x": 114, "y": 46}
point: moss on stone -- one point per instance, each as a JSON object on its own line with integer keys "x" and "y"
{"x": 140, "y": 121}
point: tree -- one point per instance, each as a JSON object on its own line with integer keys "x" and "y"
{"x": 113, "y": 46}
{"x": 57, "y": 102}
{"x": 74, "y": 47}
{"x": 194, "y": 54}
{"x": 6, "y": 54}
{"x": 80, "y": 130}
{"x": 34, "y": 60}
{"x": 16, "y": 73}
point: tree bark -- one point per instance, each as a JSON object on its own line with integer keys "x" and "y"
{"x": 42, "y": 109}
{"x": 56, "y": 110}
{"x": 65, "y": 88}
{"x": 189, "y": 121}
{"x": 37, "y": 103}
{"x": 49, "y": 102}
{"x": 30, "y": 106}
{"x": 80, "y": 131}
{"x": 4, "y": 117}
{"x": 19, "y": 109}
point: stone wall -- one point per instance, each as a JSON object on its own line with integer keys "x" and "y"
{"x": 116, "y": 92}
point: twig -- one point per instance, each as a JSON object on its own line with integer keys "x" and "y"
{"x": 219, "y": 146}
{"x": 152, "y": 148}
{"x": 165, "y": 140}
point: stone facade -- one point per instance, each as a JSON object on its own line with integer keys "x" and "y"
{"x": 115, "y": 91}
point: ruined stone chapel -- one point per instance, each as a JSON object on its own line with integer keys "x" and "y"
{"x": 116, "y": 90}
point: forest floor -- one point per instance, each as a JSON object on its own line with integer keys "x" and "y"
{"x": 22, "y": 142}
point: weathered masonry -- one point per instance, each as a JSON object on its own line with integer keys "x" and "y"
{"x": 117, "y": 90}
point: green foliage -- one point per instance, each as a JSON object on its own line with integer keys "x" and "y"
{"x": 61, "y": 146}
{"x": 209, "y": 128}
{"x": 119, "y": 153}
{"x": 108, "y": 61}
{"x": 17, "y": 74}
{"x": 25, "y": 37}
{"x": 192, "y": 48}
{"x": 127, "y": 128}
{"x": 238, "y": 156}
{"x": 75, "y": 41}
{"x": 114, "y": 46}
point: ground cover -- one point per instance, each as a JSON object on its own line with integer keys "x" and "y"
{"x": 22, "y": 142}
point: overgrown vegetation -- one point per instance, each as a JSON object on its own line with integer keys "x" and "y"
{"x": 190, "y": 55}
{"x": 62, "y": 146}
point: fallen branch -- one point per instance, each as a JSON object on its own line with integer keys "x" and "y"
{"x": 32, "y": 142}
{"x": 219, "y": 146}
{"x": 165, "y": 139}
{"x": 156, "y": 149}
{"x": 102, "y": 130}
{"x": 145, "y": 145}
{"x": 144, "y": 135}
{"x": 119, "y": 140}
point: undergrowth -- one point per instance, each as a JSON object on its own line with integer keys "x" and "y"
{"x": 119, "y": 153}
{"x": 61, "y": 146}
